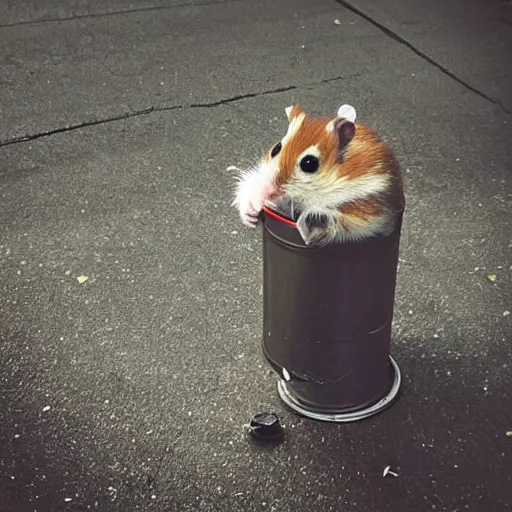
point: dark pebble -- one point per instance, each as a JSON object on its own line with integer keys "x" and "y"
{"x": 266, "y": 427}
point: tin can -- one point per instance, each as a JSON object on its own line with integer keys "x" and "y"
{"x": 327, "y": 319}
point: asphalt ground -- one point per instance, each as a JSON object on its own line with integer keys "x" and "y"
{"x": 132, "y": 390}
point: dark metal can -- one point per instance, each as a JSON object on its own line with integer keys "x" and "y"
{"x": 327, "y": 317}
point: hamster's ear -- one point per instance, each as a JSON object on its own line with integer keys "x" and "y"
{"x": 347, "y": 112}
{"x": 292, "y": 111}
{"x": 345, "y": 131}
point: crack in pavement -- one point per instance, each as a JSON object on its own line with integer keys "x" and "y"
{"x": 336, "y": 78}
{"x": 136, "y": 113}
{"x": 146, "y": 111}
{"x": 116, "y": 13}
{"x": 240, "y": 97}
{"x": 393, "y": 35}
{"x": 85, "y": 124}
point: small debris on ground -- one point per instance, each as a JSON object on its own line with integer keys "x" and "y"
{"x": 46, "y": 408}
{"x": 81, "y": 279}
{"x": 506, "y": 313}
{"x": 266, "y": 427}
{"x": 387, "y": 471}
{"x": 492, "y": 277}
{"x": 509, "y": 433}
{"x": 337, "y": 21}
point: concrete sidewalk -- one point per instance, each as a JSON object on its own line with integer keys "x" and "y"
{"x": 131, "y": 391}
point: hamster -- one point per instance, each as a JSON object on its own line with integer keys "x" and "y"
{"x": 342, "y": 182}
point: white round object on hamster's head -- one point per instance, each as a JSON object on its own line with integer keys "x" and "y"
{"x": 347, "y": 112}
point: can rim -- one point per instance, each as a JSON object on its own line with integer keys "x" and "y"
{"x": 287, "y": 397}
{"x": 277, "y": 216}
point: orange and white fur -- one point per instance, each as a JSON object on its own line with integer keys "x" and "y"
{"x": 341, "y": 177}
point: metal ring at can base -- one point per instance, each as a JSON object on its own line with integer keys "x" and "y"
{"x": 347, "y": 417}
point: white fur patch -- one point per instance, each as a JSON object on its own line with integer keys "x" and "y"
{"x": 325, "y": 193}
{"x": 246, "y": 190}
{"x": 293, "y": 127}
{"x": 330, "y": 126}
{"x": 288, "y": 111}
{"x": 347, "y": 112}
{"x": 365, "y": 186}
{"x": 358, "y": 230}
{"x": 253, "y": 190}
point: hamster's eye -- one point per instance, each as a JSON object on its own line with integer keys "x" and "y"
{"x": 276, "y": 149}
{"x": 309, "y": 164}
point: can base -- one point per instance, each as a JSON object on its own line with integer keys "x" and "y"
{"x": 288, "y": 398}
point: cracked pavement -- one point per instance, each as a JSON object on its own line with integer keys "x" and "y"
{"x": 149, "y": 110}
{"x": 132, "y": 390}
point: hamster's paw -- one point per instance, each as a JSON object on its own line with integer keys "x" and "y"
{"x": 249, "y": 200}
{"x": 318, "y": 237}
{"x": 249, "y": 213}
{"x": 313, "y": 235}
